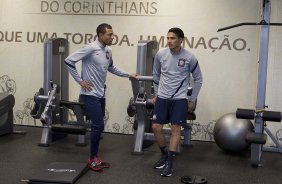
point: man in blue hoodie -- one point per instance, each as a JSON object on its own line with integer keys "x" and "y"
{"x": 96, "y": 60}
{"x": 172, "y": 68}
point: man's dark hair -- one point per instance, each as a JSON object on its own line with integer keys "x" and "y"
{"x": 102, "y": 28}
{"x": 177, "y": 31}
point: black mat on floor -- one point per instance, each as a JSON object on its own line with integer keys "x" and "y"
{"x": 21, "y": 158}
{"x": 59, "y": 172}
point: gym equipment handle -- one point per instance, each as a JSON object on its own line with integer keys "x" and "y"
{"x": 143, "y": 78}
{"x": 273, "y": 116}
{"x": 245, "y": 114}
{"x": 51, "y": 98}
{"x": 263, "y": 22}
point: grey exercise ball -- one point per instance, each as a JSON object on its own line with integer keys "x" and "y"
{"x": 230, "y": 133}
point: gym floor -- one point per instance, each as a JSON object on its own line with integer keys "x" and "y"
{"x": 21, "y": 158}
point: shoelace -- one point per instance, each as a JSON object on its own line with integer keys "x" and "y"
{"x": 97, "y": 160}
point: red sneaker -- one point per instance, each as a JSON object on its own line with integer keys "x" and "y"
{"x": 94, "y": 165}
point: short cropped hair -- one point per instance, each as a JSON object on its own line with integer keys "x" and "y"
{"x": 102, "y": 28}
{"x": 176, "y": 31}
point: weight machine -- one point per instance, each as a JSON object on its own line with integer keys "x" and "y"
{"x": 260, "y": 115}
{"x": 51, "y": 101}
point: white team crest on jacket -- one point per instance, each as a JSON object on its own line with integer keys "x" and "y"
{"x": 181, "y": 62}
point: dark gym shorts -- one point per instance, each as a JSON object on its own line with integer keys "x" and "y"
{"x": 172, "y": 111}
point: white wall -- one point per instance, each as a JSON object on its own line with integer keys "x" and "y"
{"x": 230, "y": 73}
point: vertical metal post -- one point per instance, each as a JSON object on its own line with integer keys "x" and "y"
{"x": 256, "y": 149}
{"x": 146, "y": 51}
{"x": 55, "y": 52}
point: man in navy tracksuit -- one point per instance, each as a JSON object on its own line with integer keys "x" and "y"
{"x": 171, "y": 75}
{"x": 96, "y": 60}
